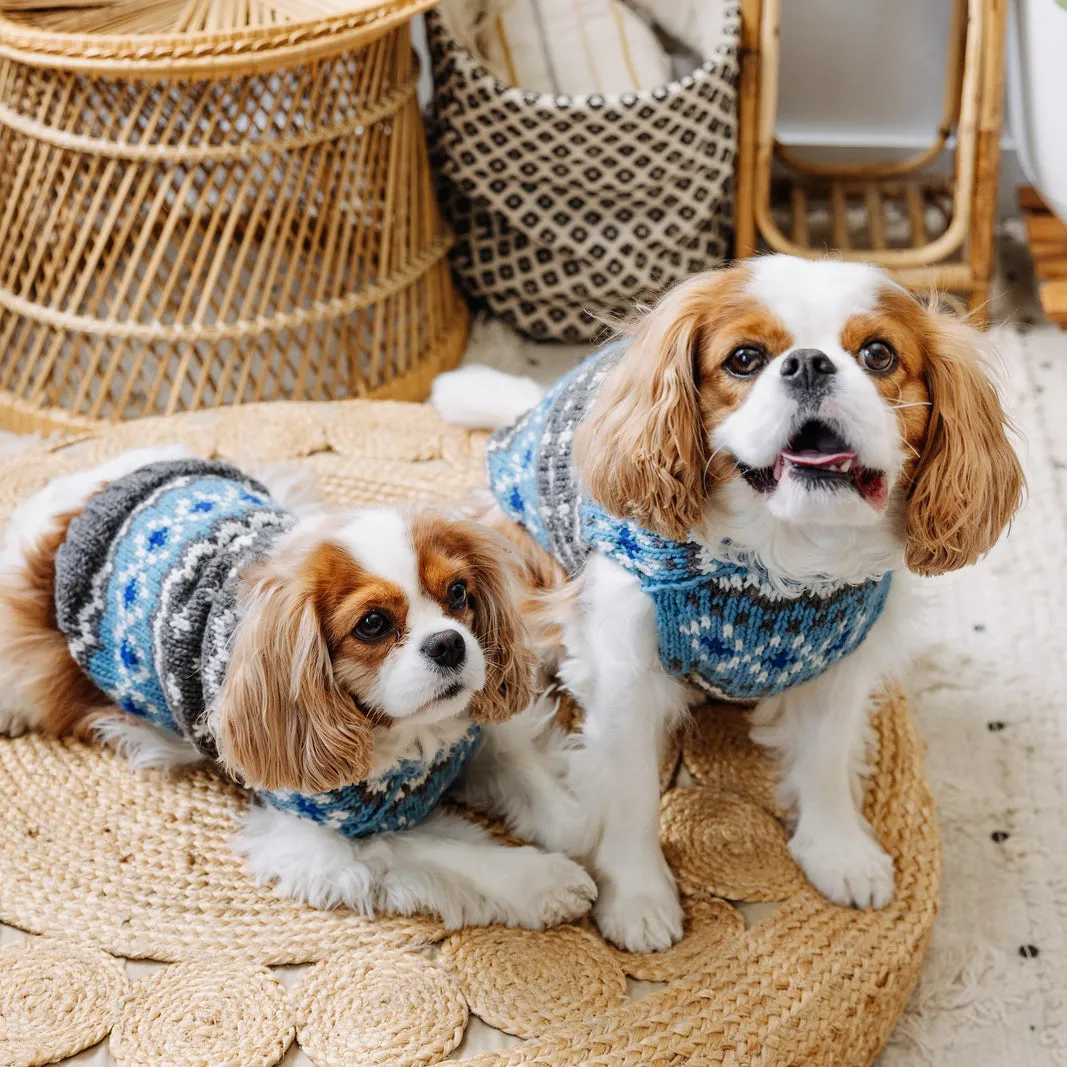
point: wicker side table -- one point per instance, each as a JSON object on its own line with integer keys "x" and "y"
{"x": 214, "y": 202}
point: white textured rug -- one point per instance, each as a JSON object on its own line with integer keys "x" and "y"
{"x": 991, "y": 698}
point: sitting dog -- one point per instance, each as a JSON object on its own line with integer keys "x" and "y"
{"x": 739, "y": 491}
{"x": 341, "y": 664}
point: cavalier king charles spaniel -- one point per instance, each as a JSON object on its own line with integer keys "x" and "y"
{"x": 346, "y": 666}
{"x": 740, "y": 492}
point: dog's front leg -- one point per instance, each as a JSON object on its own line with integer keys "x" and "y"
{"x": 445, "y": 866}
{"x": 519, "y": 773}
{"x": 630, "y": 701}
{"x": 818, "y": 731}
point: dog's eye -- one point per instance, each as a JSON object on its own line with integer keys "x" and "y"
{"x": 879, "y": 357}
{"x": 745, "y": 361}
{"x": 457, "y": 596}
{"x": 373, "y": 626}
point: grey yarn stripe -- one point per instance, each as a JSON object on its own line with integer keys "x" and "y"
{"x": 558, "y": 489}
{"x": 195, "y": 618}
{"x": 195, "y": 615}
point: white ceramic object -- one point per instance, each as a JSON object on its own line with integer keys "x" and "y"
{"x": 1037, "y": 94}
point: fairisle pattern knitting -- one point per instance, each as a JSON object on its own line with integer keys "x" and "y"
{"x": 145, "y": 591}
{"x": 399, "y": 798}
{"x": 531, "y": 472}
{"x": 722, "y": 622}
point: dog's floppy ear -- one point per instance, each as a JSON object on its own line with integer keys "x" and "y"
{"x": 642, "y": 451}
{"x": 499, "y": 627}
{"x": 968, "y": 482}
{"x": 282, "y": 720}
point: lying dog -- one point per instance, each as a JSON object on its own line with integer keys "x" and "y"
{"x": 342, "y": 664}
{"x": 739, "y": 491}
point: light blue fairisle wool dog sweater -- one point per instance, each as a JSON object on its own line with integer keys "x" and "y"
{"x": 146, "y": 597}
{"x": 722, "y": 624}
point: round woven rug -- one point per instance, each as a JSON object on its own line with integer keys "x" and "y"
{"x": 139, "y": 864}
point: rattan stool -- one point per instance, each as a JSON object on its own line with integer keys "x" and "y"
{"x": 214, "y": 202}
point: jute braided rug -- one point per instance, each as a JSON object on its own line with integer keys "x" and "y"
{"x": 139, "y": 865}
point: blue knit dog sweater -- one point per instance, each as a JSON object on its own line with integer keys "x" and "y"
{"x": 145, "y": 592}
{"x": 722, "y": 623}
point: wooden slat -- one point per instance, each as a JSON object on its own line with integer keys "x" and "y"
{"x": 1047, "y": 239}
{"x": 745, "y": 241}
{"x": 875, "y": 217}
{"x": 799, "y": 199}
{"x": 1042, "y": 252}
{"x": 839, "y": 217}
{"x": 1045, "y": 229}
{"x": 893, "y": 188}
{"x": 1030, "y": 200}
{"x": 1051, "y": 267}
{"x": 951, "y": 277}
{"x": 1054, "y": 300}
{"x": 987, "y": 148}
{"x": 913, "y": 198}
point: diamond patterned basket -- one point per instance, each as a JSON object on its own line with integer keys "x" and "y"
{"x": 570, "y": 209}
{"x": 214, "y": 202}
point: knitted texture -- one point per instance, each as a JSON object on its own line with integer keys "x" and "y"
{"x": 146, "y": 597}
{"x": 147, "y": 571}
{"x": 401, "y": 797}
{"x": 722, "y": 622}
{"x": 531, "y": 472}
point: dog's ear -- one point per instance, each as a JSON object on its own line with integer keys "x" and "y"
{"x": 282, "y": 720}
{"x": 642, "y": 451}
{"x": 968, "y": 482}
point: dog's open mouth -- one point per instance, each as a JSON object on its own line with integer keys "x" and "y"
{"x": 818, "y": 456}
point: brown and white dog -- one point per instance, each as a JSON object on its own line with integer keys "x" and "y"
{"x": 817, "y": 421}
{"x": 336, "y": 675}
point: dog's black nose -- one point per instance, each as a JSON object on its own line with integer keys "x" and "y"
{"x": 807, "y": 368}
{"x": 446, "y": 648}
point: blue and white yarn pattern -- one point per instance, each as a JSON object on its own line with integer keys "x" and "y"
{"x": 722, "y": 622}
{"x": 531, "y": 471}
{"x": 146, "y": 597}
{"x": 124, "y": 635}
{"x": 401, "y": 797}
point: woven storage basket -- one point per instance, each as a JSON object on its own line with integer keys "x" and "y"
{"x": 568, "y": 209}
{"x": 141, "y": 863}
{"x": 214, "y": 202}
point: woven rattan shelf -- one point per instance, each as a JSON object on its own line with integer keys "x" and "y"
{"x": 932, "y": 232}
{"x": 213, "y": 202}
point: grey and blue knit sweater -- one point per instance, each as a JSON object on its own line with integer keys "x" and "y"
{"x": 722, "y": 624}
{"x": 145, "y": 593}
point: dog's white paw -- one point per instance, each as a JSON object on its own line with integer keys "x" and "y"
{"x": 851, "y": 869}
{"x": 562, "y": 890}
{"x": 13, "y": 723}
{"x": 543, "y": 889}
{"x": 640, "y": 918}
{"x": 304, "y": 861}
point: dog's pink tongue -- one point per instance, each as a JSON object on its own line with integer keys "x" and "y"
{"x": 817, "y": 459}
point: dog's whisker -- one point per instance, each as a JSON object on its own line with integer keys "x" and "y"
{"x": 711, "y": 459}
